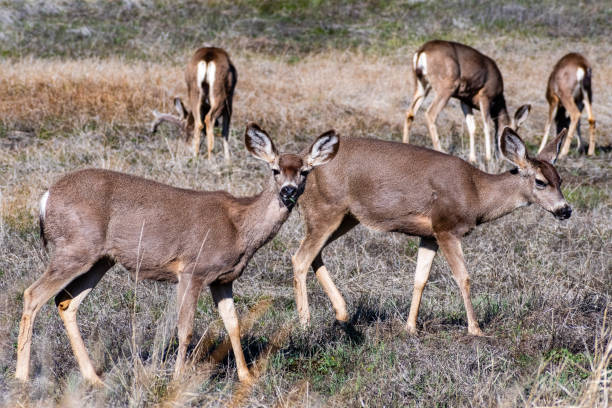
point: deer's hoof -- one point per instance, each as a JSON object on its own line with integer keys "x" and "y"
{"x": 411, "y": 329}
{"x": 475, "y": 331}
{"x": 246, "y": 378}
{"x": 96, "y": 382}
{"x": 342, "y": 316}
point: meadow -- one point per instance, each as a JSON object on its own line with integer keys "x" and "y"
{"x": 78, "y": 81}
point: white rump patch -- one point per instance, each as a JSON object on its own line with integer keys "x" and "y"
{"x": 422, "y": 63}
{"x": 43, "y": 205}
{"x": 201, "y": 72}
{"x": 579, "y": 74}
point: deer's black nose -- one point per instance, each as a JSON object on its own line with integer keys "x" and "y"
{"x": 564, "y": 212}
{"x": 288, "y": 191}
{"x": 288, "y": 195}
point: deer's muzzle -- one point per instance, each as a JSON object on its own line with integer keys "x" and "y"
{"x": 563, "y": 213}
{"x": 289, "y": 196}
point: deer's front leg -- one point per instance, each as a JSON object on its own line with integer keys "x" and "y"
{"x": 223, "y": 296}
{"x": 427, "y": 251}
{"x": 317, "y": 234}
{"x": 451, "y": 248}
{"x": 188, "y": 292}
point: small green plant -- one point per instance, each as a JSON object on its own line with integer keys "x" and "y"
{"x": 586, "y": 197}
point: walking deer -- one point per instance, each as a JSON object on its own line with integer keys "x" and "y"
{"x": 211, "y": 79}
{"x": 94, "y": 218}
{"x": 397, "y": 187}
{"x": 569, "y": 85}
{"x": 458, "y": 71}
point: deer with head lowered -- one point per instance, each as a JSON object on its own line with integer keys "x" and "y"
{"x": 95, "y": 218}
{"x": 397, "y": 187}
{"x": 569, "y": 85}
{"x": 211, "y": 78}
{"x": 456, "y": 70}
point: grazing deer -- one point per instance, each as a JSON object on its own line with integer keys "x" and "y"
{"x": 211, "y": 79}
{"x": 398, "y": 187}
{"x": 94, "y": 218}
{"x": 569, "y": 84}
{"x": 455, "y": 70}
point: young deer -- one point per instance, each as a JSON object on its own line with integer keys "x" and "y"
{"x": 399, "y": 187}
{"x": 94, "y": 218}
{"x": 570, "y": 85}
{"x": 455, "y": 70}
{"x": 211, "y": 79}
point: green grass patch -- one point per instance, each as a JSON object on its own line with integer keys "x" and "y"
{"x": 586, "y": 197}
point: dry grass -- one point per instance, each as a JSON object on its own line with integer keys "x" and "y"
{"x": 540, "y": 288}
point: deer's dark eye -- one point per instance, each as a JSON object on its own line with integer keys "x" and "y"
{"x": 276, "y": 172}
{"x": 304, "y": 173}
{"x": 540, "y": 184}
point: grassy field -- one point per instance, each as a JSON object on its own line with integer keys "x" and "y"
{"x": 78, "y": 81}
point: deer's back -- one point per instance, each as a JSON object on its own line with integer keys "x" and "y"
{"x": 224, "y": 69}
{"x": 389, "y": 186}
{"x": 564, "y": 75}
{"x": 470, "y": 69}
{"x": 139, "y": 222}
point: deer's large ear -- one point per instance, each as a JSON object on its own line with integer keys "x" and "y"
{"x": 323, "y": 149}
{"x": 520, "y": 116}
{"x": 513, "y": 148}
{"x": 551, "y": 150}
{"x": 259, "y": 144}
{"x": 180, "y": 108}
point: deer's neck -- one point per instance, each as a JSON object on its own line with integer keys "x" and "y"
{"x": 260, "y": 218}
{"x": 499, "y": 194}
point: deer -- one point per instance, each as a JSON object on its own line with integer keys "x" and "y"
{"x": 95, "y": 218}
{"x": 395, "y": 187}
{"x": 455, "y": 70}
{"x": 211, "y": 79}
{"x": 569, "y": 86}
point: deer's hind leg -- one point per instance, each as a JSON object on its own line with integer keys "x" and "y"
{"x": 62, "y": 269}
{"x": 574, "y": 114}
{"x": 68, "y": 302}
{"x": 421, "y": 89}
{"x": 198, "y": 125}
{"x": 587, "y": 103}
{"x": 227, "y": 117}
{"x": 553, "y": 104}
{"x": 471, "y": 126}
{"x": 440, "y": 100}
{"x": 485, "y": 113}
